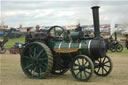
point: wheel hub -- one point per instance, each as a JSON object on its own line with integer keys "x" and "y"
{"x": 82, "y": 68}
{"x": 101, "y": 64}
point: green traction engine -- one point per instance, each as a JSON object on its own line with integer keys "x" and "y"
{"x": 58, "y": 51}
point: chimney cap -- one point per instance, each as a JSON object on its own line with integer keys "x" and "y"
{"x": 95, "y": 7}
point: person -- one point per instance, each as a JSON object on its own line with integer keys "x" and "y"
{"x": 28, "y": 36}
{"x": 126, "y": 43}
{"x": 78, "y": 29}
{"x": 111, "y": 39}
{"x": 37, "y": 28}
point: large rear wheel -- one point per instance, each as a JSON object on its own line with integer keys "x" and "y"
{"x": 36, "y": 60}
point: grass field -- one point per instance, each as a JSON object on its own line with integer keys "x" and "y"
{"x": 11, "y": 42}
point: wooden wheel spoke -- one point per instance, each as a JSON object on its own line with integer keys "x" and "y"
{"x": 28, "y": 66}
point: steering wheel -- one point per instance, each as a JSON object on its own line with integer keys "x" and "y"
{"x": 57, "y": 32}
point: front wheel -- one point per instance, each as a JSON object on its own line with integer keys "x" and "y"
{"x": 103, "y": 66}
{"x": 82, "y": 68}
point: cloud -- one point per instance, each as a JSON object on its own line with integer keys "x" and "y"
{"x": 30, "y": 13}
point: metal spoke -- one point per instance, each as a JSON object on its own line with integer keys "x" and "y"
{"x": 82, "y": 61}
{"x": 102, "y": 70}
{"x": 43, "y": 59}
{"x": 106, "y": 62}
{"x": 85, "y": 62}
{"x": 78, "y": 73}
{"x": 28, "y": 66}
{"x": 76, "y": 64}
{"x": 30, "y": 50}
{"x": 26, "y": 57}
{"x": 34, "y": 52}
{"x": 45, "y": 64}
{"x": 78, "y": 61}
{"x": 40, "y": 70}
{"x": 34, "y": 69}
{"x": 87, "y": 72}
{"x": 75, "y": 68}
{"x": 104, "y": 59}
{"x": 105, "y": 70}
{"x": 31, "y": 56}
{"x": 98, "y": 70}
{"x": 40, "y": 53}
{"x": 81, "y": 74}
{"x": 43, "y": 54}
{"x": 106, "y": 65}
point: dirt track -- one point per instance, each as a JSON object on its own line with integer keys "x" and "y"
{"x": 11, "y": 74}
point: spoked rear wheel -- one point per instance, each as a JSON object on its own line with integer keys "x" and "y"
{"x": 103, "y": 66}
{"x": 36, "y": 60}
{"x": 82, "y": 68}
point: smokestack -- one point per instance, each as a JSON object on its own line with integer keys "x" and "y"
{"x": 95, "y": 10}
{"x": 115, "y": 36}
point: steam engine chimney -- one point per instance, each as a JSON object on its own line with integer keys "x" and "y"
{"x": 95, "y": 10}
{"x": 115, "y": 36}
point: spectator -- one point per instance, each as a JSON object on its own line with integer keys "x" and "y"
{"x": 78, "y": 28}
{"x": 28, "y": 36}
{"x": 37, "y": 28}
{"x": 126, "y": 43}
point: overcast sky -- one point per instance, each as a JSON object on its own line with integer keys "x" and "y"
{"x": 61, "y": 12}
